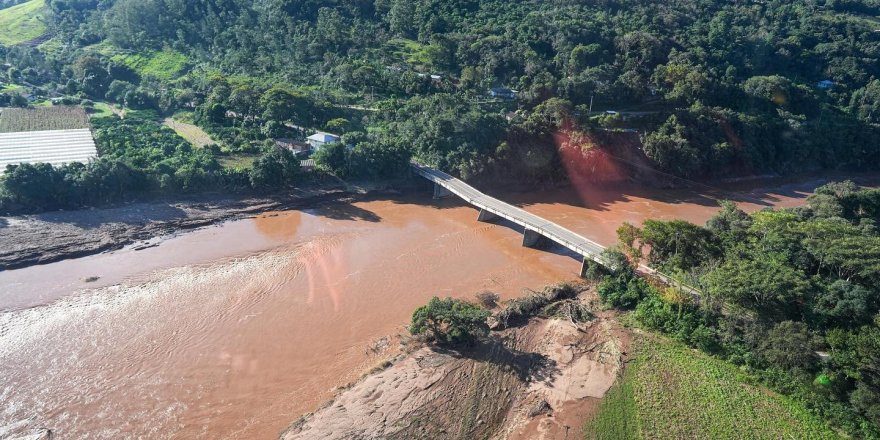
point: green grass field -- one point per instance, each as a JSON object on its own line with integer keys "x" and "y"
{"x": 51, "y": 46}
{"x": 409, "y": 51}
{"x": 670, "y": 391}
{"x": 239, "y": 161}
{"x": 192, "y": 133}
{"x": 101, "y": 110}
{"x": 7, "y": 88}
{"x": 22, "y": 23}
{"x": 164, "y": 64}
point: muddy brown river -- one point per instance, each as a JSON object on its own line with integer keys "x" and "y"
{"x": 235, "y": 331}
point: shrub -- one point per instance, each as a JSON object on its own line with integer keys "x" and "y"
{"x": 450, "y": 321}
{"x": 488, "y": 299}
{"x": 531, "y": 305}
{"x": 623, "y": 291}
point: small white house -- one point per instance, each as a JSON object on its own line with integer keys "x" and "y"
{"x": 320, "y": 139}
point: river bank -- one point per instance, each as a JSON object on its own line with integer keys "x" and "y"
{"x": 55, "y": 236}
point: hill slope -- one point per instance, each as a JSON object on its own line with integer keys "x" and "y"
{"x": 22, "y": 23}
{"x": 670, "y": 391}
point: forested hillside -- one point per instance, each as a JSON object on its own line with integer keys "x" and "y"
{"x": 713, "y": 88}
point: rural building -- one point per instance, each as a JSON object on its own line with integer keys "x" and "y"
{"x": 434, "y": 78}
{"x": 307, "y": 164}
{"x": 502, "y": 93}
{"x": 294, "y": 146}
{"x": 320, "y": 139}
{"x": 825, "y": 84}
{"x": 53, "y": 135}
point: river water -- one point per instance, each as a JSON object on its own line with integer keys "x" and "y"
{"x": 235, "y": 331}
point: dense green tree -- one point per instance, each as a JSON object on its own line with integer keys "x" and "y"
{"x": 731, "y": 224}
{"x": 760, "y": 283}
{"x": 865, "y": 102}
{"x": 774, "y": 88}
{"x": 857, "y": 354}
{"x": 38, "y": 185}
{"x": 284, "y": 105}
{"x": 789, "y": 345}
{"x": 679, "y": 244}
{"x": 671, "y": 150}
{"x": 335, "y": 158}
{"x": 275, "y": 168}
{"x": 92, "y": 76}
{"x": 844, "y": 304}
{"x": 450, "y": 321}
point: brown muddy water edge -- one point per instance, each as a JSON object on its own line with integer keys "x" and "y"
{"x": 62, "y": 235}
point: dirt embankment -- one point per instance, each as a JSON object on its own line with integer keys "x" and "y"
{"x": 55, "y": 236}
{"x": 539, "y": 380}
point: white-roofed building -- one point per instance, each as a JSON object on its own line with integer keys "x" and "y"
{"x": 55, "y": 147}
{"x": 320, "y": 139}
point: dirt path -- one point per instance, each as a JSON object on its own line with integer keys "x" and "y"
{"x": 538, "y": 381}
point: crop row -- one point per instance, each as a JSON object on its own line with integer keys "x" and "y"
{"x": 38, "y": 119}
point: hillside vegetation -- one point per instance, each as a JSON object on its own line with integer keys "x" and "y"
{"x": 22, "y": 23}
{"x": 670, "y": 391}
{"x": 484, "y": 88}
{"x": 789, "y": 296}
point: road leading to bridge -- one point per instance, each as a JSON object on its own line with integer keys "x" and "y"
{"x": 535, "y": 227}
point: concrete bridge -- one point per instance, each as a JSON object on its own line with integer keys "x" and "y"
{"x": 536, "y": 229}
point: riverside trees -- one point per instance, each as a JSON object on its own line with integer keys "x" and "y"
{"x": 778, "y": 287}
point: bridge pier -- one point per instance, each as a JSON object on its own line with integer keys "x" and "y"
{"x": 486, "y": 216}
{"x": 585, "y": 267}
{"x": 441, "y": 192}
{"x": 532, "y": 238}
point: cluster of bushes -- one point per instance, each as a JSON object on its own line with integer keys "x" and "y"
{"x": 452, "y": 321}
{"x": 779, "y": 287}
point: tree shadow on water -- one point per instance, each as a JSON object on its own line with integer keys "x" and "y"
{"x": 339, "y": 211}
